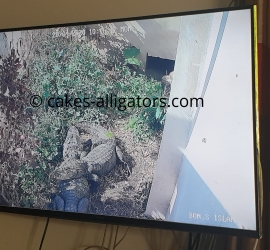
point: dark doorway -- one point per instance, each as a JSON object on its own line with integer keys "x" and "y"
{"x": 157, "y": 67}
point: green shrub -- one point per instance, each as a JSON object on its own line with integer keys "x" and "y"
{"x": 60, "y": 66}
{"x": 33, "y": 183}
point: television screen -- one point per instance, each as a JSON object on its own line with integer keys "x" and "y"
{"x": 147, "y": 121}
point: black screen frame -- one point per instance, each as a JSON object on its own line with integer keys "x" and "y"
{"x": 165, "y": 224}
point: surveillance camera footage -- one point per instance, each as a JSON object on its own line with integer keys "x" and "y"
{"x": 150, "y": 119}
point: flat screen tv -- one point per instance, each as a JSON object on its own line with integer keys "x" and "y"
{"x": 147, "y": 121}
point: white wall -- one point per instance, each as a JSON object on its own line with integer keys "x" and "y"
{"x": 148, "y": 36}
{"x": 217, "y": 175}
{"x": 191, "y": 52}
{"x": 226, "y": 161}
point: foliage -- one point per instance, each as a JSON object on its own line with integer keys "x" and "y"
{"x": 109, "y": 134}
{"x": 130, "y": 55}
{"x": 60, "y": 66}
{"x": 133, "y": 61}
{"x": 16, "y": 145}
{"x": 60, "y": 69}
{"x": 33, "y": 181}
{"x": 131, "y": 52}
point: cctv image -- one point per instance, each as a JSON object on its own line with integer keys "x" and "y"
{"x": 149, "y": 119}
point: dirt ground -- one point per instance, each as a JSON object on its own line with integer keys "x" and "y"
{"x": 125, "y": 191}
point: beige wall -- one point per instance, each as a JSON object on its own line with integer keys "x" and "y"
{"x": 15, "y": 13}
{"x": 24, "y": 232}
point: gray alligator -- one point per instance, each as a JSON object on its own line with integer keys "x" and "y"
{"x": 72, "y": 196}
{"x": 89, "y": 152}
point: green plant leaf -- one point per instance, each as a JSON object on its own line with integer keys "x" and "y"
{"x": 158, "y": 112}
{"x": 133, "y": 61}
{"x": 109, "y": 134}
{"x": 131, "y": 52}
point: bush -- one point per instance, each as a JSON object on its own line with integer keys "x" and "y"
{"x": 33, "y": 183}
{"x": 62, "y": 66}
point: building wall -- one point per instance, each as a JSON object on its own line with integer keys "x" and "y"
{"x": 142, "y": 33}
{"x": 25, "y": 232}
{"x": 220, "y": 150}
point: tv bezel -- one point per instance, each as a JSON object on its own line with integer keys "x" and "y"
{"x": 168, "y": 225}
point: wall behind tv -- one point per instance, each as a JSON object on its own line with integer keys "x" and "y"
{"x": 15, "y": 13}
{"x": 25, "y": 232}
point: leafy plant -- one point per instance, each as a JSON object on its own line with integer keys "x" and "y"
{"x": 32, "y": 181}
{"x": 14, "y": 121}
{"x": 134, "y": 61}
{"x": 130, "y": 55}
{"x": 60, "y": 66}
{"x": 131, "y": 52}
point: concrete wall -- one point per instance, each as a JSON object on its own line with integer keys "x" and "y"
{"x": 208, "y": 179}
{"x": 224, "y": 161}
{"x": 142, "y": 33}
{"x": 25, "y": 232}
{"x": 191, "y": 52}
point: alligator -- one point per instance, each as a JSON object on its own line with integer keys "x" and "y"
{"x": 72, "y": 196}
{"x": 104, "y": 152}
{"x": 89, "y": 152}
